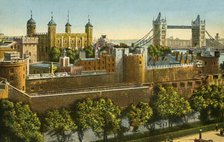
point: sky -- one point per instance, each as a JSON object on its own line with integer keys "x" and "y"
{"x": 118, "y": 19}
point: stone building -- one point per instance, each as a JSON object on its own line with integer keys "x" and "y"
{"x": 27, "y": 46}
{"x": 105, "y": 62}
{"x": 211, "y": 63}
{"x": 51, "y": 39}
{"x": 178, "y": 43}
{"x": 198, "y": 33}
{"x": 159, "y": 31}
{"x": 134, "y": 68}
{"x": 6, "y": 46}
{"x": 14, "y": 70}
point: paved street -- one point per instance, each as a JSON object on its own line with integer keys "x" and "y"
{"x": 214, "y": 135}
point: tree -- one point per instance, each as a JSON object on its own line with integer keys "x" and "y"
{"x": 168, "y": 104}
{"x": 89, "y": 52}
{"x": 19, "y": 123}
{"x": 138, "y": 114}
{"x": 60, "y": 124}
{"x": 108, "y": 118}
{"x": 54, "y": 54}
{"x": 156, "y": 51}
{"x": 86, "y": 117}
{"x": 72, "y": 54}
{"x": 209, "y": 101}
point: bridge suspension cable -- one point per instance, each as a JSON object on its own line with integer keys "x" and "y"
{"x": 143, "y": 39}
{"x": 213, "y": 42}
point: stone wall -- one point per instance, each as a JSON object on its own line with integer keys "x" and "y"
{"x": 134, "y": 68}
{"x": 172, "y": 74}
{"x": 122, "y": 97}
{"x": 211, "y": 65}
{"x": 71, "y": 82}
{"x": 3, "y": 91}
{"x": 17, "y": 95}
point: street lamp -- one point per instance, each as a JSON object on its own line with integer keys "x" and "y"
{"x": 200, "y": 133}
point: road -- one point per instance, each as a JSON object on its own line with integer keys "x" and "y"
{"x": 213, "y": 135}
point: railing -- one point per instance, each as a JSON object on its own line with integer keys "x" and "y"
{"x": 169, "y": 66}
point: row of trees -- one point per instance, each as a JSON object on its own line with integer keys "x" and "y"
{"x": 103, "y": 117}
{"x": 55, "y": 53}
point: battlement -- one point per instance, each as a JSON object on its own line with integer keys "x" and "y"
{"x": 170, "y": 66}
{"x": 41, "y": 33}
{"x": 25, "y": 39}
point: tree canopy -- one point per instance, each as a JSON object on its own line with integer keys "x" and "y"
{"x": 18, "y": 123}
{"x": 54, "y": 54}
{"x": 89, "y": 52}
{"x": 139, "y": 114}
{"x": 168, "y": 104}
{"x": 109, "y": 117}
{"x": 86, "y": 117}
{"x": 59, "y": 123}
{"x": 209, "y": 100}
{"x": 157, "y": 51}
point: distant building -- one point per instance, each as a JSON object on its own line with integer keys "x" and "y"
{"x": 178, "y": 43}
{"x": 198, "y": 32}
{"x": 51, "y": 39}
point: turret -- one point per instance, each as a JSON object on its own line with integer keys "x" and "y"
{"x": 198, "y": 32}
{"x": 159, "y": 31}
{"x": 31, "y": 26}
{"x": 89, "y": 32}
{"x": 52, "y": 32}
{"x": 68, "y": 26}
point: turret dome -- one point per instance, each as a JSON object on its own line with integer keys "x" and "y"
{"x": 31, "y": 21}
{"x": 51, "y": 22}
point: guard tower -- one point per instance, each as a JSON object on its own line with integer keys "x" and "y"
{"x": 198, "y": 33}
{"x": 159, "y": 31}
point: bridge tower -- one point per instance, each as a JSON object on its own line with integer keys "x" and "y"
{"x": 159, "y": 31}
{"x": 198, "y": 32}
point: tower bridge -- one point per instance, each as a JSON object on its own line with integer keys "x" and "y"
{"x": 157, "y": 35}
{"x": 178, "y": 27}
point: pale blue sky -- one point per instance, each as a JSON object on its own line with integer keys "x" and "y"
{"x": 119, "y": 19}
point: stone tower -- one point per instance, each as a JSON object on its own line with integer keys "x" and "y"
{"x": 68, "y": 26}
{"x": 89, "y": 32}
{"x": 159, "y": 31}
{"x": 31, "y": 27}
{"x": 134, "y": 68}
{"x": 198, "y": 33}
{"x": 52, "y": 32}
